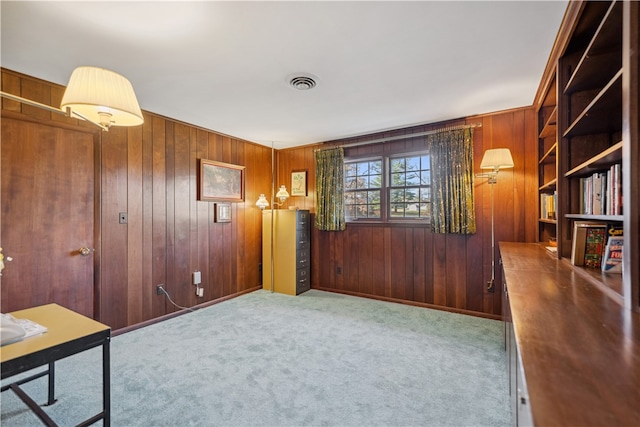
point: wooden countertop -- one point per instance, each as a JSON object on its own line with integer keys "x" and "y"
{"x": 580, "y": 349}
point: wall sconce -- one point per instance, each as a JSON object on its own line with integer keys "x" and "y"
{"x": 262, "y": 202}
{"x": 282, "y": 194}
{"x": 96, "y": 95}
{"x": 494, "y": 160}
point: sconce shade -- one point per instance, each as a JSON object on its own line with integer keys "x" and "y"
{"x": 497, "y": 158}
{"x": 262, "y": 202}
{"x": 282, "y": 193}
{"x": 102, "y": 96}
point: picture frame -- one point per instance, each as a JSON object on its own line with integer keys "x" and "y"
{"x": 222, "y": 212}
{"x": 299, "y": 183}
{"x": 221, "y": 181}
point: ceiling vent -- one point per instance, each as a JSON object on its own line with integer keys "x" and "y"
{"x": 302, "y": 82}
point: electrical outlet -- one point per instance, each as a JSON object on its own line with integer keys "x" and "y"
{"x": 338, "y": 270}
{"x": 123, "y": 218}
{"x": 159, "y": 289}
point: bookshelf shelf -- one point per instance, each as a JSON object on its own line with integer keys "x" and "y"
{"x": 603, "y": 159}
{"x": 550, "y": 155}
{"x": 602, "y": 114}
{"x": 548, "y": 186}
{"x": 585, "y": 217}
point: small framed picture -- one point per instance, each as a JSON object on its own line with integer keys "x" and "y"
{"x": 222, "y": 212}
{"x": 299, "y": 183}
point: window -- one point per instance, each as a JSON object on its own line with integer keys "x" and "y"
{"x": 389, "y": 188}
{"x": 362, "y": 189}
{"x": 410, "y": 186}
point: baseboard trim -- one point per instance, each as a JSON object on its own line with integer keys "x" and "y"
{"x": 413, "y": 303}
{"x": 181, "y": 312}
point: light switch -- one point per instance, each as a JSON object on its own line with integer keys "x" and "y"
{"x": 196, "y": 278}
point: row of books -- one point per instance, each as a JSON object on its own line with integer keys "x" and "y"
{"x": 548, "y": 205}
{"x": 597, "y": 245}
{"x": 601, "y": 193}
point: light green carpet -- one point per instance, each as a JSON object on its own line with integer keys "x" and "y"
{"x": 319, "y": 359}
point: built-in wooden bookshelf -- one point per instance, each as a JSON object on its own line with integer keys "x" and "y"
{"x": 588, "y": 124}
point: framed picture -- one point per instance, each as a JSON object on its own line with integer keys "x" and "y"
{"x": 299, "y": 183}
{"x": 221, "y": 182}
{"x": 222, "y": 212}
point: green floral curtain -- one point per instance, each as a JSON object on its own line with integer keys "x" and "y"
{"x": 330, "y": 190}
{"x": 452, "y": 207}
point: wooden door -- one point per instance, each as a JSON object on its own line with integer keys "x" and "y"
{"x": 47, "y": 216}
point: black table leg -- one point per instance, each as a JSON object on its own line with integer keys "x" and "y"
{"x": 52, "y": 384}
{"x": 106, "y": 383}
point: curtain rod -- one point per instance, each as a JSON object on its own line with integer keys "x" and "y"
{"x": 411, "y": 135}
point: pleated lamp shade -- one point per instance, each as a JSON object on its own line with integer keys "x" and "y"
{"x": 102, "y": 96}
{"x": 497, "y": 158}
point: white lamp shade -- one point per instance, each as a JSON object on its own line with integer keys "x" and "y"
{"x": 497, "y": 158}
{"x": 93, "y": 91}
{"x": 262, "y": 202}
{"x": 282, "y": 193}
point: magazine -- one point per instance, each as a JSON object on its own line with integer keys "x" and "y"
{"x": 612, "y": 259}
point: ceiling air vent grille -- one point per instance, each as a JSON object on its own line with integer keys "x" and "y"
{"x": 302, "y": 82}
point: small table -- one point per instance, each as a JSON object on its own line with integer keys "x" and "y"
{"x": 68, "y": 333}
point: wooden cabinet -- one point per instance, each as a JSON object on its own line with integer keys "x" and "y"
{"x": 588, "y": 129}
{"x": 518, "y": 391}
{"x": 291, "y": 251}
{"x": 574, "y": 356}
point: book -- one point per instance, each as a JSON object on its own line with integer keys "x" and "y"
{"x": 596, "y": 206}
{"x": 612, "y": 258}
{"x": 594, "y": 246}
{"x": 579, "y": 241}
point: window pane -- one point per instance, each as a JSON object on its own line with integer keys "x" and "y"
{"x": 413, "y": 178}
{"x": 350, "y": 183}
{"x": 411, "y": 194}
{"x": 413, "y": 163}
{"x": 375, "y": 167}
{"x": 425, "y": 177}
{"x": 398, "y": 179}
{"x": 425, "y": 210}
{"x": 397, "y": 165}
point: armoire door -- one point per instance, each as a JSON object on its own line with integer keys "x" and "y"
{"x": 47, "y": 222}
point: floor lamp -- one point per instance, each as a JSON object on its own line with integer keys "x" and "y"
{"x": 494, "y": 160}
{"x": 263, "y": 203}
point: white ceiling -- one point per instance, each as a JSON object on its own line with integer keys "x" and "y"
{"x": 225, "y": 66}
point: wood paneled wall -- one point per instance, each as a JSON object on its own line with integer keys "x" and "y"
{"x": 151, "y": 172}
{"x": 409, "y": 263}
